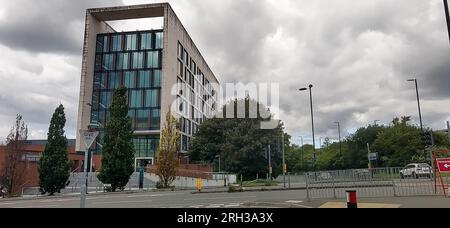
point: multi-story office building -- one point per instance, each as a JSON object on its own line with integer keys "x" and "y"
{"x": 161, "y": 69}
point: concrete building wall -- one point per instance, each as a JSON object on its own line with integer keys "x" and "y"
{"x": 92, "y": 27}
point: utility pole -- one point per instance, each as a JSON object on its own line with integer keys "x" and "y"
{"x": 368, "y": 156}
{"x": 270, "y": 166}
{"x": 448, "y": 130}
{"x": 284, "y": 161}
{"x": 303, "y": 154}
{"x": 340, "y": 143}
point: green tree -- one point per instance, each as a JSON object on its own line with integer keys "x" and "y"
{"x": 167, "y": 160}
{"x": 54, "y": 165}
{"x": 355, "y": 156}
{"x": 118, "y": 149}
{"x": 240, "y": 141}
{"x": 399, "y": 144}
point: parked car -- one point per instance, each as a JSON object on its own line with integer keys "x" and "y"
{"x": 416, "y": 170}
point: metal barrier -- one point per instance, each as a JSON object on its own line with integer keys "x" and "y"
{"x": 370, "y": 183}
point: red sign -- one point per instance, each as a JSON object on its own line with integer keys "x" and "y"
{"x": 443, "y": 165}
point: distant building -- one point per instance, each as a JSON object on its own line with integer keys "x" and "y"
{"x": 32, "y": 152}
{"x": 150, "y": 64}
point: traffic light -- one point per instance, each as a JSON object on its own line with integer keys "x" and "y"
{"x": 427, "y": 139}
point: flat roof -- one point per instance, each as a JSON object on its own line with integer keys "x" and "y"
{"x": 128, "y": 12}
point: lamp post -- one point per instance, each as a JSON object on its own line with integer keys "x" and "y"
{"x": 312, "y": 123}
{"x": 340, "y": 143}
{"x": 447, "y": 16}
{"x": 303, "y": 152}
{"x": 218, "y": 156}
{"x": 418, "y": 101}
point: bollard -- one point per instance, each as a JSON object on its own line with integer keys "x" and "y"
{"x": 199, "y": 184}
{"x": 352, "y": 201}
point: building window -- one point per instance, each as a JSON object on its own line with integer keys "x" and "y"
{"x": 136, "y": 99}
{"x": 146, "y": 41}
{"x": 159, "y": 40}
{"x": 180, "y": 50}
{"x": 138, "y": 60}
{"x": 129, "y": 79}
{"x": 144, "y": 79}
{"x": 108, "y": 62}
{"x": 122, "y": 61}
{"x": 102, "y": 44}
{"x": 142, "y": 119}
{"x": 180, "y": 68}
{"x": 186, "y": 58}
{"x": 157, "y": 78}
{"x": 153, "y": 59}
{"x": 99, "y": 81}
{"x": 114, "y": 80}
{"x": 117, "y": 43}
{"x": 131, "y": 42}
{"x": 131, "y": 115}
{"x": 152, "y": 98}
{"x": 105, "y": 100}
{"x": 156, "y": 119}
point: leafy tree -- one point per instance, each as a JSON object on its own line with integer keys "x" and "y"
{"x": 398, "y": 144}
{"x": 54, "y": 165}
{"x": 118, "y": 149}
{"x": 240, "y": 141}
{"x": 14, "y": 166}
{"x": 167, "y": 160}
{"x": 356, "y": 154}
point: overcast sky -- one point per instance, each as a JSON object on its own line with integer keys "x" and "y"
{"x": 358, "y": 55}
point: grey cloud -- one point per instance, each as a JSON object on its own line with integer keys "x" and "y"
{"x": 46, "y": 26}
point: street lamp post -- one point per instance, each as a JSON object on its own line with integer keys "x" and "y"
{"x": 218, "y": 156}
{"x": 418, "y": 101}
{"x": 312, "y": 124}
{"x": 340, "y": 143}
{"x": 303, "y": 152}
{"x": 284, "y": 160}
{"x": 447, "y": 17}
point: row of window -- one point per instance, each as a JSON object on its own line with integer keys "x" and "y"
{"x": 188, "y": 127}
{"x": 129, "y": 42}
{"x": 146, "y": 147}
{"x": 126, "y": 61}
{"x": 149, "y": 98}
{"x": 130, "y": 79}
{"x": 141, "y": 119}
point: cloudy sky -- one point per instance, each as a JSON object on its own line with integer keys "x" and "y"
{"x": 358, "y": 55}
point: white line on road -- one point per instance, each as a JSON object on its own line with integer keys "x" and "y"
{"x": 294, "y": 201}
{"x": 137, "y": 196}
{"x": 219, "y": 198}
{"x": 120, "y": 202}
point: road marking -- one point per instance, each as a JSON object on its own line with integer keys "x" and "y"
{"x": 219, "y": 198}
{"x": 233, "y": 205}
{"x": 294, "y": 201}
{"x": 360, "y": 205}
{"x": 56, "y": 200}
{"x": 137, "y": 196}
{"x": 119, "y": 202}
{"x": 298, "y": 205}
{"x": 104, "y": 197}
{"x": 10, "y": 203}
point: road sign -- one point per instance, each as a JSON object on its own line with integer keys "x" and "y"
{"x": 373, "y": 156}
{"x": 88, "y": 137}
{"x": 443, "y": 165}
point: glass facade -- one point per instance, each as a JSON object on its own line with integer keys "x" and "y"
{"x": 131, "y": 59}
{"x": 196, "y": 99}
